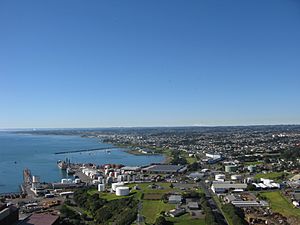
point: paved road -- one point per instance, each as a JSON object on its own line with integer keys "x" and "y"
{"x": 220, "y": 219}
{"x": 140, "y": 218}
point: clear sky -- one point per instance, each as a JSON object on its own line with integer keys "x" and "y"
{"x": 99, "y": 63}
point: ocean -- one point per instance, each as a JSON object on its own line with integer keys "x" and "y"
{"x": 36, "y": 152}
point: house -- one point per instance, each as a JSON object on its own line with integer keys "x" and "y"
{"x": 177, "y": 212}
{"x": 175, "y": 199}
{"x": 193, "y": 205}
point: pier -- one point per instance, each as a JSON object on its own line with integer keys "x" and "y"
{"x": 84, "y": 150}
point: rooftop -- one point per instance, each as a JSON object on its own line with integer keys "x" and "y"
{"x": 165, "y": 168}
{"x": 40, "y": 219}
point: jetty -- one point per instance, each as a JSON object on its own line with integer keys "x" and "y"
{"x": 85, "y": 150}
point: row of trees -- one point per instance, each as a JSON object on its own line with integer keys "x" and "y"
{"x": 235, "y": 214}
{"x": 177, "y": 158}
{"x": 209, "y": 216}
{"x": 119, "y": 211}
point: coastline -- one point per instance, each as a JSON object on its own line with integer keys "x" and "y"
{"x": 38, "y": 154}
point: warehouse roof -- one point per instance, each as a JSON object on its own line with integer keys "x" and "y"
{"x": 41, "y": 219}
{"x": 165, "y": 168}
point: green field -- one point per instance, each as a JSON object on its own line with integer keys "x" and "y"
{"x": 280, "y": 204}
{"x": 152, "y": 209}
{"x": 186, "y": 220}
{"x": 277, "y": 176}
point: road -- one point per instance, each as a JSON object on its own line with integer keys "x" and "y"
{"x": 140, "y": 218}
{"x": 220, "y": 219}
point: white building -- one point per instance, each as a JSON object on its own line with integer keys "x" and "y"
{"x": 222, "y": 187}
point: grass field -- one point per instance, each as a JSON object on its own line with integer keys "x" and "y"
{"x": 280, "y": 204}
{"x": 277, "y": 176}
{"x": 187, "y": 220}
{"x": 153, "y": 196}
{"x": 152, "y": 209}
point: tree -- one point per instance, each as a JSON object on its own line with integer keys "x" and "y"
{"x": 162, "y": 221}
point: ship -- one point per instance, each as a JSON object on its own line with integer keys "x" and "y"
{"x": 63, "y": 165}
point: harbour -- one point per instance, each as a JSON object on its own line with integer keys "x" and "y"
{"x": 37, "y": 152}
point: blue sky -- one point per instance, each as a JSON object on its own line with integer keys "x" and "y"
{"x": 149, "y": 63}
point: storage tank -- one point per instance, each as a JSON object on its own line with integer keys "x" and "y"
{"x": 120, "y": 178}
{"x": 96, "y": 182}
{"x": 115, "y": 185}
{"x": 219, "y": 177}
{"x": 122, "y": 191}
{"x": 64, "y": 181}
{"x": 101, "y": 187}
{"x": 236, "y": 177}
{"x": 35, "y": 179}
{"x": 77, "y": 181}
{"x": 230, "y": 168}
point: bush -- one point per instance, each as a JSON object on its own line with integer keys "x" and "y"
{"x": 235, "y": 214}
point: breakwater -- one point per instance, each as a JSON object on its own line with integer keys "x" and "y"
{"x": 84, "y": 150}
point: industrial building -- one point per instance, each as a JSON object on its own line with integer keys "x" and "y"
{"x": 41, "y": 219}
{"x": 162, "y": 168}
{"x": 122, "y": 191}
{"x": 222, "y": 187}
{"x": 9, "y": 214}
{"x": 175, "y": 199}
{"x": 213, "y": 158}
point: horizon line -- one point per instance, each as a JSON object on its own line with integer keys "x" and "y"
{"x": 149, "y": 126}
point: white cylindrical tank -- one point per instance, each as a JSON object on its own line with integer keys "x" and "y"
{"x": 120, "y": 178}
{"x": 236, "y": 177}
{"x": 77, "y": 181}
{"x": 96, "y": 182}
{"x": 64, "y": 181}
{"x": 122, "y": 191}
{"x": 219, "y": 177}
{"x": 101, "y": 187}
{"x": 115, "y": 185}
{"x": 35, "y": 179}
